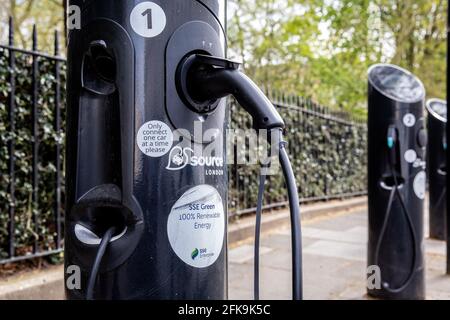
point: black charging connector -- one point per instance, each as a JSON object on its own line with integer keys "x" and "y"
{"x": 201, "y": 81}
{"x": 204, "y": 79}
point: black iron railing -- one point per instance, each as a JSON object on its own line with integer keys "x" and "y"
{"x": 328, "y": 152}
{"x": 30, "y": 95}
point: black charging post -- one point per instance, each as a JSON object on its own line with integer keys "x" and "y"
{"x": 128, "y": 173}
{"x": 146, "y": 211}
{"x": 437, "y": 167}
{"x": 397, "y": 182}
{"x": 447, "y": 153}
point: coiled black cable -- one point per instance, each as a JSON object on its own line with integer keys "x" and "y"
{"x": 396, "y": 190}
{"x": 98, "y": 260}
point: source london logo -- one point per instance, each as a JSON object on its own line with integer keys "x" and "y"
{"x": 180, "y": 158}
{"x": 195, "y": 254}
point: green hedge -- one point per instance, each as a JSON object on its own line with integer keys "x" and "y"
{"x": 25, "y": 233}
{"x": 329, "y": 157}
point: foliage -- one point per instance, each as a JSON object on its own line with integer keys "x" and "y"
{"x": 48, "y": 15}
{"x": 328, "y": 152}
{"x": 418, "y": 30}
{"x": 25, "y": 232}
{"x": 323, "y": 49}
{"x": 312, "y": 48}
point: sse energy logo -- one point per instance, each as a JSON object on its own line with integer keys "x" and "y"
{"x": 195, "y": 254}
{"x": 201, "y": 254}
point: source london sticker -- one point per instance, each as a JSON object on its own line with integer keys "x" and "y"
{"x": 155, "y": 139}
{"x": 196, "y": 226}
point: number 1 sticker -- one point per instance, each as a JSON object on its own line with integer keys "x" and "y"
{"x": 148, "y": 19}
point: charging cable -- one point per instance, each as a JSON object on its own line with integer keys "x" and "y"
{"x": 296, "y": 229}
{"x": 442, "y": 197}
{"x": 392, "y": 141}
{"x": 294, "y": 204}
{"x": 202, "y": 79}
{"x": 97, "y": 262}
{"x": 443, "y": 172}
{"x": 259, "y": 207}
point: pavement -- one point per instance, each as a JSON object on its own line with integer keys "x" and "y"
{"x": 334, "y": 257}
{"x": 334, "y": 262}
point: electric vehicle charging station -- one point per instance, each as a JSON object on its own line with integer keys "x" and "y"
{"x": 437, "y": 167}
{"x": 397, "y": 181}
{"x": 447, "y": 153}
{"x": 144, "y": 221}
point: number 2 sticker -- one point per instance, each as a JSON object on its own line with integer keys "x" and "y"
{"x": 409, "y": 120}
{"x": 148, "y": 19}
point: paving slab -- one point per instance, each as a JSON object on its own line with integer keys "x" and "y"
{"x": 335, "y": 253}
{"x": 353, "y": 235}
{"x": 335, "y": 249}
{"x": 46, "y": 285}
{"x": 245, "y": 253}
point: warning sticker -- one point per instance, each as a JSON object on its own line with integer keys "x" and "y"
{"x": 410, "y": 156}
{"x": 196, "y": 226}
{"x": 420, "y": 185}
{"x": 155, "y": 139}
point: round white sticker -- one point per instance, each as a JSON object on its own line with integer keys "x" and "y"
{"x": 196, "y": 226}
{"x": 148, "y": 19}
{"x": 409, "y": 120}
{"x": 420, "y": 185}
{"x": 155, "y": 139}
{"x": 410, "y": 156}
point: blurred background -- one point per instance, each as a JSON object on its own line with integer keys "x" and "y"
{"x": 318, "y": 49}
